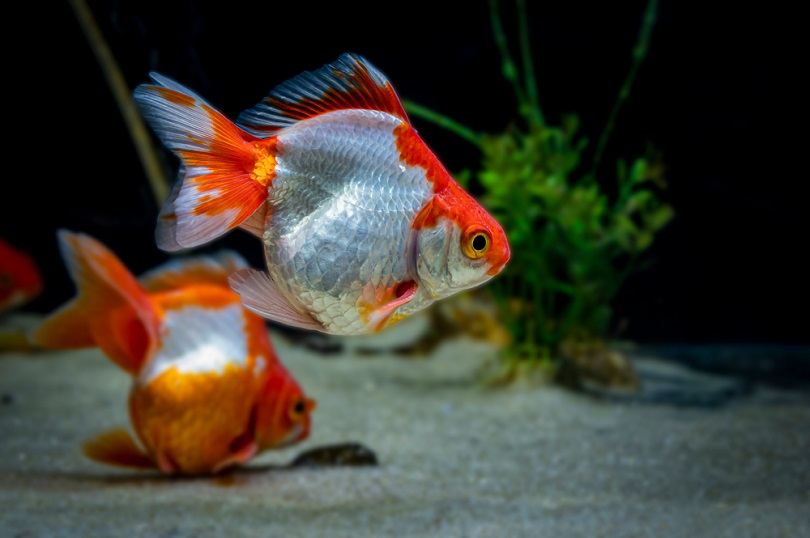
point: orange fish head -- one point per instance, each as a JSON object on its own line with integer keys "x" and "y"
{"x": 284, "y": 412}
{"x": 461, "y": 246}
{"x": 20, "y": 279}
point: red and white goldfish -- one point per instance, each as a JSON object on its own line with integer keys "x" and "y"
{"x": 362, "y": 225}
{"x": 20, "y": 279}
{"x": 208, "y": 391}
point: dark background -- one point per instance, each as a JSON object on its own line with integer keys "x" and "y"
{"x": 712, "y": 97}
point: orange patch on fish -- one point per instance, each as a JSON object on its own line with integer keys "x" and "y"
{"x": 264, "y": 169}
{"x": 200, "y": 296}
{"x": 428, "y": 215}
{"x": 414, "y": 152}
{"x": 191, "y": 419}
{"x": 231, "y": 154}
{"x": 449, "y": 199}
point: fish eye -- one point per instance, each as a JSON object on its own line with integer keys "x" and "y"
{"x": 299, "y": 407}
{"x": 298, "y": 410}
{"x": 480, "y": 242}
{"x": 476, "y": 244}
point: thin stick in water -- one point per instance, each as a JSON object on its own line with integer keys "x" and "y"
{"x": 115, "y": 79}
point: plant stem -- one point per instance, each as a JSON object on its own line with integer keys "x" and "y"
{"x": 115, "y": 79}
{"x": 443, "y": 121}
{"x": 639, "y": 54}
{"x": 508, "y": 67}
{"x": 536, "y": 113}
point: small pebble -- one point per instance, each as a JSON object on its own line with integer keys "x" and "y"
{"x": 345, "y": 454}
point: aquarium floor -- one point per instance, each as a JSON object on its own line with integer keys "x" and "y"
{"x": 694, "y": 455}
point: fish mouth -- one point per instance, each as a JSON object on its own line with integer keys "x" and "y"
{"x": 504, "y": 256}
{"x": 496, "y": 269}
{"x": 297, "y": 433}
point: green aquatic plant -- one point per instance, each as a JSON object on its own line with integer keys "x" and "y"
{"x": 575, "y": 234}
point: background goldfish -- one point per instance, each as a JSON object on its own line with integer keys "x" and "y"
{"x": 20, "y": 279}
{"x": 361, "y": 223}
{"x": 208, "y": 391}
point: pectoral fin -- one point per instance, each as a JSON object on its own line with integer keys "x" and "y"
{"x": 261, "y": 295}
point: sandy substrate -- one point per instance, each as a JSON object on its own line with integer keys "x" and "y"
{"x": 694, "y": 455}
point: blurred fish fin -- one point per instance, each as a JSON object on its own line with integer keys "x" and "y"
{"x": 254, "y": 224}
{"x": 66, "y": 328}
{"x": 190, "y": 271}
{"x": 226, "y": 171}
{"x": 116, "y": 447}
{"x": 242, "y": 455}
{"x": 260, "y": 295}
{"x": 111, "y": 309}
{"x": 350, "y": 82}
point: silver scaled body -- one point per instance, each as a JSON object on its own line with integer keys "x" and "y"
{"x": 339, "y": 216}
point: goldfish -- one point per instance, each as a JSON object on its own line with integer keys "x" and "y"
{"x": 208, "y": 390}
{"x": 20, "y": 279}
{"x": 361, "y": 223}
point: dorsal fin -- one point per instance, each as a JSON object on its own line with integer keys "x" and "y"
{"x": 350, "y": 82}
{"x": 182, "y": 272}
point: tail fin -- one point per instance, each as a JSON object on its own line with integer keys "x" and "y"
{"x": 226, "y": 169}
{"x": 110, "y": 310}
{"x": 116, "y": 447}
